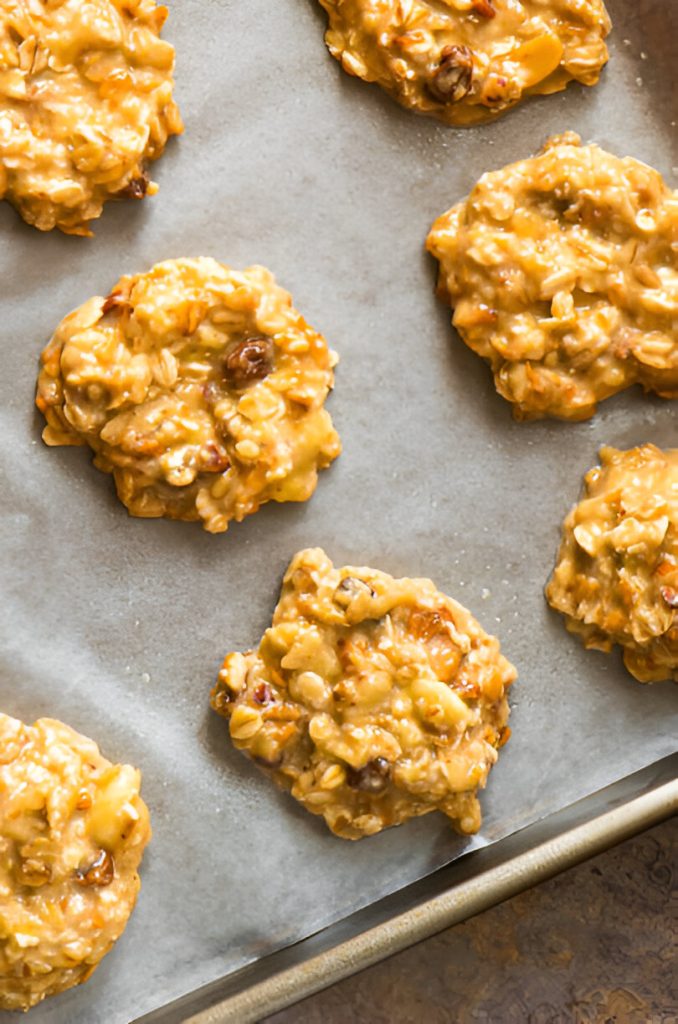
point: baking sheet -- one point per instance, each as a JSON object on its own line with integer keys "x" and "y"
{"x": 118, "y": 625}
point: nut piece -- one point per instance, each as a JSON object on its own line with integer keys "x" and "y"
{"x": 468, "y": 61}
{"x": 200, "y": 388}
{"x": 371, "y": 699}
{"x": 484, "y": 8}
{"x": 57, "y": 922}
{"x": 670, "y": 596}
{"x": 351, "y": 588}
{"x": 113, "y": 303}
{"x": 452, "y": 78}
{"x": 85, "y": 104}
{"x": 557, "y": 280}
{"x": 100, "y": 872}
{"x": 616, "y": 580}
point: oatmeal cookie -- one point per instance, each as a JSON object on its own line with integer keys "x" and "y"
{"x": 85, "y": 104}
{"x": 72, "y": 833}
{"x": 616, "y": 580}
{"x": 563, "y": 273}
{"x": 200, "y": 388}
{"x": 371, "y": 699}
{"x": 466, "y": 61}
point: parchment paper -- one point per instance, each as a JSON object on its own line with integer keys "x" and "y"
{"x": 118, "y": 625}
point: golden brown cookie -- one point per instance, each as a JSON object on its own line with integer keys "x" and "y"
{"x": 85, "y": 104}
{"x": 371, "y": 699}
{"x": 72, "y": 834}
{"x": 466, "y": 61}
{"x": 200, "y": 388}
{"x": 562, "y": 270}
{"x": 616, "y": 580}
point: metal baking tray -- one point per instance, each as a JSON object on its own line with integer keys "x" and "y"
{"x": 471, "y": 884}
{"x": 118, "y": 626}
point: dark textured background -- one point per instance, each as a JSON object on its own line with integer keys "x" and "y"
{"x": 597, "y": 945}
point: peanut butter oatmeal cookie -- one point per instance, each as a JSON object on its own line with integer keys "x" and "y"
{"x": 200, "y": 388}
{"x": 616, "y": 580}
{"x": 466, "y": 61}
{"x": 371, "y": 699}
{"x": 72, "y": 833}
{"x": 563, "y": 273}
{"x": 85, "y": 104}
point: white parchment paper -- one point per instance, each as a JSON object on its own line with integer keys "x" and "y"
{"x": 118, "y": 625}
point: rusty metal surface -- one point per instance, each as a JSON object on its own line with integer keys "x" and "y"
{"x": 596, "y": 944}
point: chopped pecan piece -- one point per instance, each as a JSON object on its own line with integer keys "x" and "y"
{"x": 115, "y": 301}
{"x": 100, "y": 872}
{"x": 214, "y": 458}
{"x": 484, "y": 8}
{"x": 670, "y": 596}
{"x": 349, "y": 588}
{"x": 452, "y": 79}
{"x": 504, "y": 736}
{"x": 427, "y": 625}
{"x": 263, "y": 694}
{"x": 280, "y": 712}
{"x": 222, "y": 699}
{"x": 250, "y": 360}
{"x": 34, "y": 872}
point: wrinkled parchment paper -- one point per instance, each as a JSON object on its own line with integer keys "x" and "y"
{"x": 118, "y": 625}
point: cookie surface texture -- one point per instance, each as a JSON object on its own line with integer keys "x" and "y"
{"x": 562, "y": 271}
{"x": 85, "y": 104}
{"x": 200, "y": 388}
{"x": 616, "y": 579}
{"x": 371, "y": 699}
{"x": 72, "y": 833}
{"x": 467, "y": 61}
